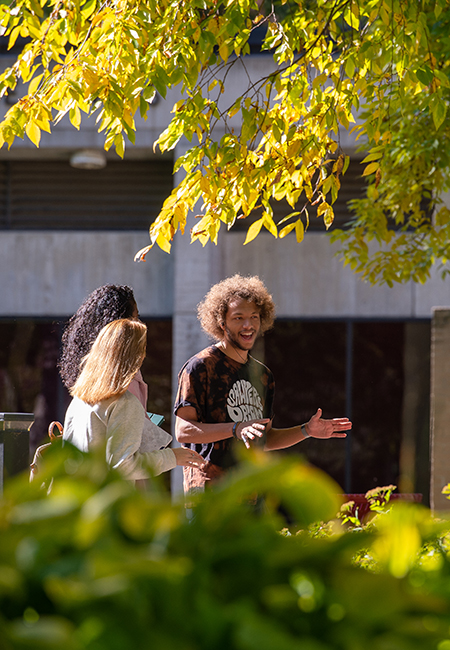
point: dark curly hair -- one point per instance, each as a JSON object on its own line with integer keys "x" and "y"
{"x": 101, "y": 307}
{"x": 213, "y": 308}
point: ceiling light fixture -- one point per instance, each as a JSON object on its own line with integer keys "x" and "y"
{"x": 88, "y": 159}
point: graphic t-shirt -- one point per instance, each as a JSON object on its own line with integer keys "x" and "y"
{"x": 224, "y": 390}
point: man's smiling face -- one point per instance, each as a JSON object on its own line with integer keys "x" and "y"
{"x": 242, "y": 324}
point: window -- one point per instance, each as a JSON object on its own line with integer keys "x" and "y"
{"x": 354, "y": 369}
{"x": 124, "y": 195}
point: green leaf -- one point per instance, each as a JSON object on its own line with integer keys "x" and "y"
{"x": 425, "y": 75}
{"x": 439, "y": 113}
{"x": 350, "y": 68}
{"x": 160, "y": 80}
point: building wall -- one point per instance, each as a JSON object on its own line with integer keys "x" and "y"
{"x": 49, "y": 273}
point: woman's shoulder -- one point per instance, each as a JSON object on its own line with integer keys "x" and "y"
{"x": 127, "y": 404}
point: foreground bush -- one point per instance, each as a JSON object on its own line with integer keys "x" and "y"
{"x": 96, "y": 565}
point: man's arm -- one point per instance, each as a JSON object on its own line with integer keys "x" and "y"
{"x": 188, "y": 430}
{"x": 315, "y": 428}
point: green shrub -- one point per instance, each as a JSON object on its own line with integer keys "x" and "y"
{"x": 97, "y": 565}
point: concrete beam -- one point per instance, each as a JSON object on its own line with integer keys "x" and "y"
{"x": 49, "y": 273}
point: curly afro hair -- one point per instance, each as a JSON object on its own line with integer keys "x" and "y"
{"x": 213, "y": 308}
{"x": 102, "y": 306}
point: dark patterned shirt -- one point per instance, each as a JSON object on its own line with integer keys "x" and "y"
{"x": 224, "y": 390}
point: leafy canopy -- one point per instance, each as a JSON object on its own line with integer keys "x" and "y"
{"x": 379, "y": 68}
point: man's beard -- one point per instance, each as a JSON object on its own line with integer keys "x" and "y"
{"x": 235, "y": 342}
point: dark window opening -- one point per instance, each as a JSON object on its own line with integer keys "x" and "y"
{"x": 313, "y": 368}
{"x": 124, "y": 195}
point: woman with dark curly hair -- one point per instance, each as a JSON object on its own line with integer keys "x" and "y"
{"x": 225, "y": 394}
{"x": 104, "y": 305}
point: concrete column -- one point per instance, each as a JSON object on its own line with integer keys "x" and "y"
{"x": 440, "y": 407}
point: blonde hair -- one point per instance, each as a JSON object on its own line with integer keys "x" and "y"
{"x": 213, "y": 309}
{"x": 115, "y": 357}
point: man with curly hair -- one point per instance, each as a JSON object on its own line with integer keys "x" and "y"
{"x": 225, "y": 394}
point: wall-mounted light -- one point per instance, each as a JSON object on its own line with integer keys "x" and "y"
{"x": 88, "y": 159}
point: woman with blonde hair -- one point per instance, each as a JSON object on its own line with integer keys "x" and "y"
{"x": 103, "y": 411}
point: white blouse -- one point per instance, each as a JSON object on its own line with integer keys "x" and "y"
{"x": 133, "y": 442}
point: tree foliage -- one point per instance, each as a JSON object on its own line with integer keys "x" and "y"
{"x": 379, "y": 68}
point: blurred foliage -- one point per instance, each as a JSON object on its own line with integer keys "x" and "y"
{"x": 97, "y": 565}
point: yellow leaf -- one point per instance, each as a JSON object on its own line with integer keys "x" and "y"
{"x": 13, "y": 36}
{"x": 297, "y": 178}
{"x": 270, "y": 225}
{"x": 299, "y": 230}
{"x": 376, "y": 155}
{"x": 120, "y": 145}
{"x": 286, "y": 230}
{"x": 351, "y": 20}
{"x": 235, "y": 108}
{"x": 180, "y": 210}
{"x": 224, "y": 52}
{"x": 212, "y": 26}
{"x": 253, "y": 231}
{"x": 371, "y": 168}
{"x": 75, "y": 117}
{"x": 88, "y": 8}
{"x": 34, "y": 30}
{"x": 293, "y": 148}
{"x": 43, "y": 124}
{"x": 128, "y": 118}
{"x": 33, "y": 132}
{"x": 204, "y": 185}
{"x": 163, "y": 243}
{"x": 326, "y": 211}
{"x": 214, "y": 231}
{"x": 34, "y": 83}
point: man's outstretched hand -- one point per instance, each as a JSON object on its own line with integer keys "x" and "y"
{"x": 320, "y": 428}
